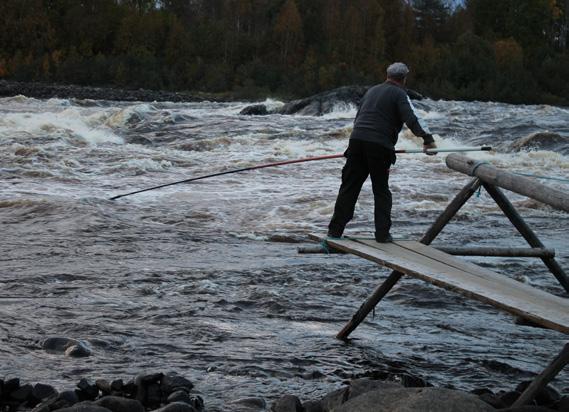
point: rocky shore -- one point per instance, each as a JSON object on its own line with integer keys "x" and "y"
{"x": 50, "y": 91}
{"x": 170, "y": 392}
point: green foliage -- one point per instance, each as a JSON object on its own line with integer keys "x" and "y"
{"x": 508, "y": 50}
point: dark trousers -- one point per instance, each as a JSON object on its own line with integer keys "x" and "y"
{"x": 364, "y": 159}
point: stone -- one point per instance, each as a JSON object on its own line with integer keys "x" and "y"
{"x": 360, "y": 386}
{"x": 249, "y": 404}
{"x": 334, "y": 399}
{"x": 80, "y": 350}
{"x": 179, "y": 396}
{"x": 104, "y": 386}
{"x": 42, "y": 391}
{"x": 70, "y": 347}
{"x": 153, "y": 396}
{"x": 172, "y": 381}
{"x": 312, "y": 406}
{"x": 142, "y": 382}
{"x": 120, "y": 404}
{"x": 86, "y": 406}
{"x": 177, "y": 407}
{"x": 255, "y": 110}
{"x": 492, "y": 400}
{"x": 11, "y": 385}
{"x": 67, "y": 398}
{"x": 87, "y": 390}
{"x": 46, "y": 405}
{"x": 415, "y": 400}
{"x": 22, "y": 394}
{"x": 117, "y": 385}
{"x": 509, "y": 397}
{"x": 546, "y": 396}
{"x": 287, "y": 403}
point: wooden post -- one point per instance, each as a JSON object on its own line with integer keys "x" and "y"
{"x": 544, "y": 378}
{"x": 460, "y": 199}
{"x": 454, "y": 206}
{"x": 498, "y": 251}
{"x": 526, "y": 232}
{"x": 519, "y": 184}
{"x": 369, "y": 304}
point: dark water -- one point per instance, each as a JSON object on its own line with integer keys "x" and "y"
{"x": 204, "y": 279}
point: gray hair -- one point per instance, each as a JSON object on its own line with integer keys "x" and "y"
{"x": 397, "y": 71}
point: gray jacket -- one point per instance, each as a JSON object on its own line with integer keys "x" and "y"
{"x": 383, "y": 110}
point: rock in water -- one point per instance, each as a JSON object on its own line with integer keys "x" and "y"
{"x": 541, "y": 141}
{"x": 177, "y": 407}
{"x": 415, "y": 400}
{"x": 255, "y": 110}
{"x": 172, "y": 382}
{"x": 70, "y": 347}
{"x": 288, "y": 403}
{"x": 42, "y": 391}
{"x": 86, "y": 406}
{"x": 119, "y": 404}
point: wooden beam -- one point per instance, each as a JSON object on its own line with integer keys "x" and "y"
{"x": 526, "y": 232}
{"x": 454, "y": 206}
{"x": 544, "y": 378}
{"x": 498, "y": 251}
{"x": 506, "y": 180}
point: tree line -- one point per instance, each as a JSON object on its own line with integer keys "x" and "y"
{"x": 505, "y": 50}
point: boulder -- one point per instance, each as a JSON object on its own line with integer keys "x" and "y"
{"x": 42, "y": 391}
{"x": 542, "y": 141}
{"x": 415, "y": 400}
{"x": 179, "y": 396}
{"x": 354, "y": 389}
{"x": 86, "y": 406}
{"x": 22, "y": 394}
{"x": 172, "y": 382}
{"x": 312, "y": 406}
{"x": 87, "y": 390}
{"x": 70, "y": 347}
{"x": 177, "y": 407}
{"x": 119, "y": 404}
{"x": 287, "y": 403}
{"x": 248, "y": 404}
{"x": 255, "y": 110}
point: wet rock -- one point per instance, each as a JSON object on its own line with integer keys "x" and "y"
{"x": 10, "y": 386}
{"x": 66, "y": 399}
{"x": 118, "y": 385}
{"x": 119, "y": 404}
{"x": 142, "y": 382}
{"x": 492, "y": 400}
{"x": 153, "y": 396}
{"x": 540, "y": 141}
{"x": 287, "y": 403}
{"x": 172, "y": 382}
{"x": 46, "y": 405}
{"x": 545, "y": 397}
{"x": 248, "y": 404}
{"x": 22, "y": 394}
{"x": 86, "y": 406}
{"x": 104, "y": 386}
{"x": 139, "y": 140}
{"x": 179, "y": 396}
{"x": 70, "y": 347}
{"x": 87, "y": 390}
{"x": 509, "y": 397}
{"x": 255, "y": 110}
{"x": 312, "y": 406}
{"x": 177, "y": 407}
{"x": 334, "y": 399}
{"x": 325, "y": 102}
{"x": 358, "y": 387}
{"x": 42, "y": 391}
{"x": 415, "y": 400}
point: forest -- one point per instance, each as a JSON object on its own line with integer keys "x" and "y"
{"x": 501, "y": 50}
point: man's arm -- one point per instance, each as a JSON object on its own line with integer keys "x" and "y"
{"x": 408, "y": 115}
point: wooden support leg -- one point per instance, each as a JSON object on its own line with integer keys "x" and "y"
{"x": 544, "y": 377}
{"x": 369, "y": 304}
{"x": 526, "y": 232}
{"x": 454, "y": 206}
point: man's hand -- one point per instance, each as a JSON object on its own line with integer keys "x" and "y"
{"x": 429, "y": 146}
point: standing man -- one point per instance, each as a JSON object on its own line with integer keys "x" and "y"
{"x": 371, "y": 151}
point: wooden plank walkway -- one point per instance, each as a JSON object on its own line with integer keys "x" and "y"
{"x": 431, "y": 265}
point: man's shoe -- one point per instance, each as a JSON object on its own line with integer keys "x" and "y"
{"x": 384, "y": 239}
{"x": 334, "y": 235}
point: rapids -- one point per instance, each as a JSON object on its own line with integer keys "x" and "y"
{"x": 204, "y": 279}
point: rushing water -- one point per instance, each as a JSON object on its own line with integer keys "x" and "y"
{"x": 205, "y": 279}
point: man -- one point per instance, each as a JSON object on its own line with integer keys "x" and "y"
{"x": 371, "y": 151}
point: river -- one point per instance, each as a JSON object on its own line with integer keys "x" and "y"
{"x": 205, "y": 279}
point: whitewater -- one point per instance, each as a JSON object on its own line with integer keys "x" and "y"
{"x": 205, "y": 279}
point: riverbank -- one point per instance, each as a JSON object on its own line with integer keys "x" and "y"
{"x": 60, "y": 91}
{"x": 170, "y": 392}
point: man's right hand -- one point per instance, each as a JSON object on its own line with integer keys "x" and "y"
{"x": 429, "y": 146}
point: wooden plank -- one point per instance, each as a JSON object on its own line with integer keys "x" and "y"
{"x": 497, "y": 251}
{"x": 475, "y": 282}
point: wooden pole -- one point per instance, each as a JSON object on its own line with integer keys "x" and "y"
{"x": 498, "y": 251}
{"x": 460, "y": 199}
{"x": 454, "y": 206}
{"x": 515, "y": 183}
{"x": 526, "y": 232}
{"x": 544, "y": 378}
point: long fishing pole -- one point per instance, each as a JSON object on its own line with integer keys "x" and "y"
{"x": 289, "y": 162}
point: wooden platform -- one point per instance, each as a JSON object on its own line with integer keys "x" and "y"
{"x": 431, "y": 265}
